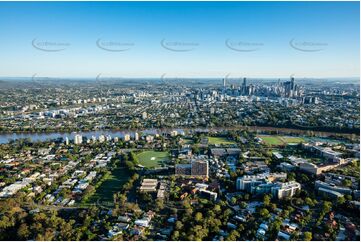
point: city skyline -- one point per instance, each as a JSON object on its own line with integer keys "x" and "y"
{"x": 209, "y": 40}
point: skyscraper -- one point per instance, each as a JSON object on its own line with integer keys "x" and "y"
{"x": 250, "y": 89}
{"x": 292, "y": 83}
{"x": 291, "y": 89}
{"x": 244, "y": 87}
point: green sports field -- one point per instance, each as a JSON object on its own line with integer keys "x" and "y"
{"x": 275, "y": 140}
{"x": 152, "y": 159}
{"x": 112, "y": 184}
{"x": 219, "y": 141}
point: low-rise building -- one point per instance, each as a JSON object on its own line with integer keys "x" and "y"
{"x": 284, "y": 166}
{"x": 149, "y": 185}
{"x": 329, "y": 193}
{"x": 333, "y": 187}
{"x": 286, "y": 189}
{"x": 183, "y": 169}
{"x": 209, "y": 194}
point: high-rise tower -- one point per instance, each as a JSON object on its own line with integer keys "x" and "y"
{"x": 244, "y": 87}
{"x": 292, "y": 83}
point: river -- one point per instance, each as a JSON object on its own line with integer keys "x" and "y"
{"x": 6, "y": 137}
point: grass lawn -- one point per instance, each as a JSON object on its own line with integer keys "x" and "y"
{"x": 111, "y": 185}
{"x": 152, "y": 159}
{"x": 188, "y": 141}
{"x": 289, "y": 139}
{"x": 275, "y": 140}
{"x": 220, "y": 141}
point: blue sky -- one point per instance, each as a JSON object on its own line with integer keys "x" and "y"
{"x": 200, "y": 39}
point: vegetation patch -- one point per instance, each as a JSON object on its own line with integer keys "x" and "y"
{"x": 219, "y": 141}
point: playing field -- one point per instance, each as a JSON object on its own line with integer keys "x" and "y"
{"x": 111, "y": 185}
{"x": 152, "y": 159}
{"x": 219, "y": 141}
{"x": 280, "y": 140}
